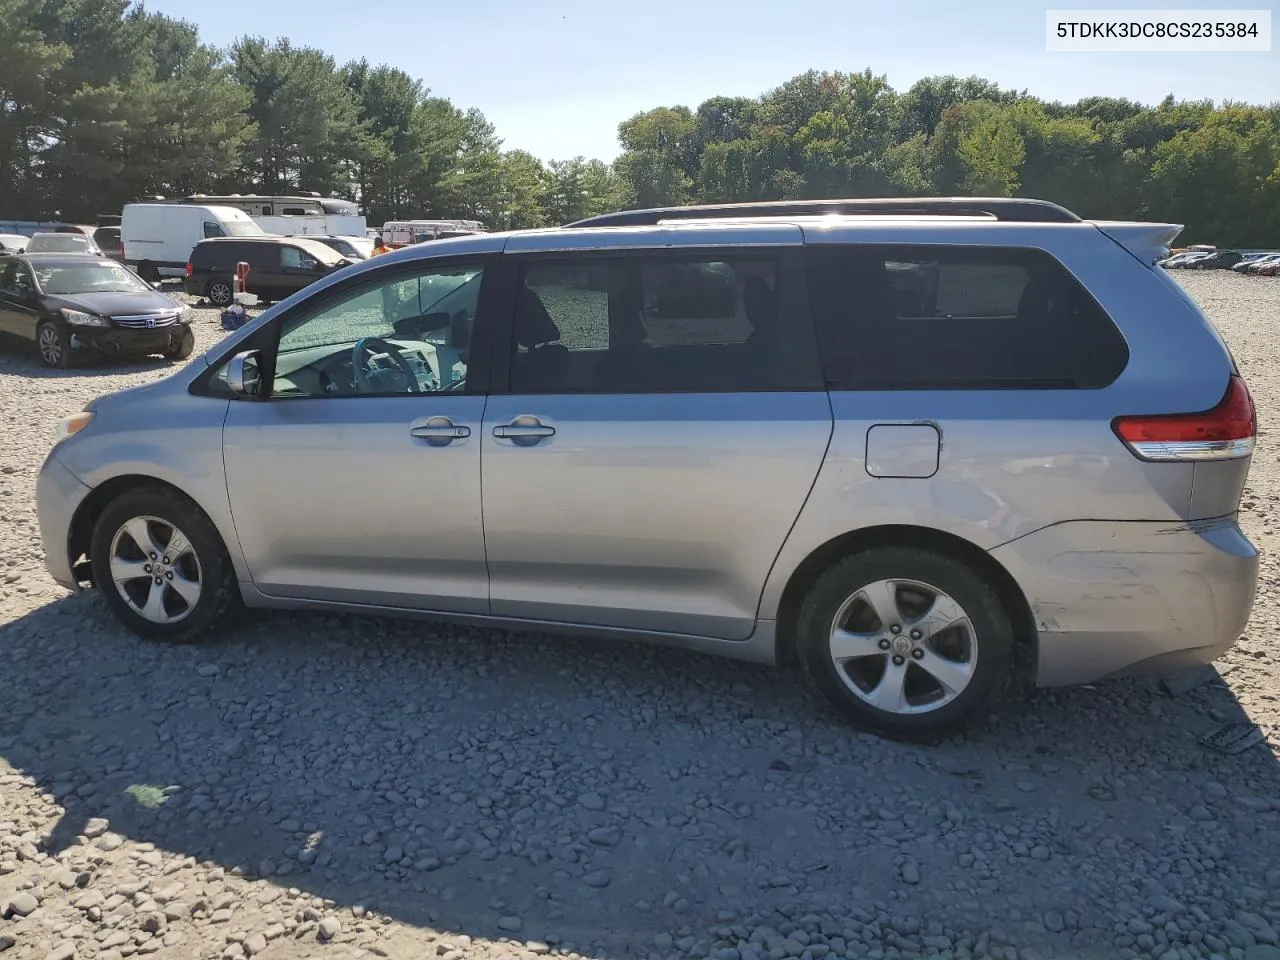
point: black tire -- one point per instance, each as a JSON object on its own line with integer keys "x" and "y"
{"x": 219, "y": 292}
{"x": 185, "y": 347}
{"x": 219, "y": 594}
{"x": 53, "y": 343}
{"x": 991, "y": 639}
{"x": 148, "y": 271}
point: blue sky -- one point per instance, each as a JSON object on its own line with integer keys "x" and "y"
{"x": 556, "y": 76}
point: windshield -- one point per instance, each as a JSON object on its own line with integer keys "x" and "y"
{"x": 242, "y": 228}
{"x": 69, "y": 279}
{"x": 58, "y": 243}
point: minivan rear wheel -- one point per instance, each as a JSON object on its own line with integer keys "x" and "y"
{"x": 905, "y": 641}
{"x": 219, "y": 293}
{"x": 161, "y": 566}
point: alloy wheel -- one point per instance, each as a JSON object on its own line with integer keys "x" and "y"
{"x": 903, "y": 646}
{"x": 50, "y": 345}
{"x": 155, "y": 569}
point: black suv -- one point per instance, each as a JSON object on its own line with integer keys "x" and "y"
{"x": 278, "y": 266}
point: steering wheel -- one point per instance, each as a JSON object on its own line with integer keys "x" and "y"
{"x": 371, "y": 380}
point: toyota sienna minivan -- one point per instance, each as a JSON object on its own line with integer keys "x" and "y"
{"x": 922, "y": 448}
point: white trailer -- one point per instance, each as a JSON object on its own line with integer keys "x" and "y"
{"x": 313, "y": 225}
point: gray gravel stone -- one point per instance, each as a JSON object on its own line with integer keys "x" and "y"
{"x": 21, "y": 905}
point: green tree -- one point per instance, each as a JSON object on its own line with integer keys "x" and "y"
{"x": 31, "y": 60}
{"x": 308, "y": 132}
{"x": 581, "y": 188}
{"x": 659, "y": 156}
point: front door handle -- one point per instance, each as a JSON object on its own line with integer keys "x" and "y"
{"x": 524, "y": 431}
{"x": 438, "y": 431}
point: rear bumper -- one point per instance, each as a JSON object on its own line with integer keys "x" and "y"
{"x": 140, "y": 340}
{"x": 1133, "y": 598}
{"x": 58, "y": 496}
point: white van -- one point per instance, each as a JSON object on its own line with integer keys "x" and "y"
{"x": 158, "y": 237}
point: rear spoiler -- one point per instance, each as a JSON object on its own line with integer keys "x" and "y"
{"x": 1148, "y": 242}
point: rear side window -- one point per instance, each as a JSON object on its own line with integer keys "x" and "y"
{"x": 261, "y": 256}
{"x": 212, "y": 254}
{"x": 663, "y": 324}
{"x": 898, "y": 317}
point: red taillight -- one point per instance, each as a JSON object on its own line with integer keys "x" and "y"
{"x": 190, "y": 269}
{"x": 1223, "y": 433}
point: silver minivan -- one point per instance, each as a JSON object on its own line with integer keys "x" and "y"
{"x": 924, "y": 448}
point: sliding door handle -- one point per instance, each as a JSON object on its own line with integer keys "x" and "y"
{"x": 524, "y": 431}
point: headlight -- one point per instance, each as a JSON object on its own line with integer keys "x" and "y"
{"x": 81, "y": 319}
{"x": 70, "y": 426}
{"x": 187, "y": 315}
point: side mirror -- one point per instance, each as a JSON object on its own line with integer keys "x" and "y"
{"x": 243, "y": 376}
{"x": 157, "y": 284}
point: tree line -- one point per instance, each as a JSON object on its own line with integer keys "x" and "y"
{"x": 103, "y": 102}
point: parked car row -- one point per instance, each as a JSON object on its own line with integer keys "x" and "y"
{"x": 1264, "y": 266}
{"x": 1262, "y": 263}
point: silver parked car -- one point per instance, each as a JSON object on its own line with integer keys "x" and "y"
{"x": 918, "y": 446}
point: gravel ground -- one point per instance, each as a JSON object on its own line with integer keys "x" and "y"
{"x": 312, "y": 786}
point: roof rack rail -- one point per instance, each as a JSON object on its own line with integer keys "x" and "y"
{"x": 1001, "y": 208}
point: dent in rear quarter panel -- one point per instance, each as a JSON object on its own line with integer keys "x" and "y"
{"x": 166, "y": 434}
{"x": 1113, "y": 598}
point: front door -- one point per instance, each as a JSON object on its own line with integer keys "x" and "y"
{"x": 665, "y": 422}
{"x": 298, "y": 268}
{"x": 18, "y": 305}
{"x": 358, "y": 479}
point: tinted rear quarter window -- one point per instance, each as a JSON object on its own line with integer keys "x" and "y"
{"x": 896, "y": 317}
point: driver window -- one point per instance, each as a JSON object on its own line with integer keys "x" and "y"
{"x": 399, "y": 335}
{"x": 17, "y": 281}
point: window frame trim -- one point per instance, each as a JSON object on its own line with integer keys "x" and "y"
{"x": 794, "y": 307}
{"x": 266, "y": 339}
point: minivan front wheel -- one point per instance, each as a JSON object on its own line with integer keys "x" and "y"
{"x": 161, "y": 566}
{"x": 905, "y": 641}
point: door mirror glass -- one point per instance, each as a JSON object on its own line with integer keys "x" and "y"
{"x": 244, "y": 377}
